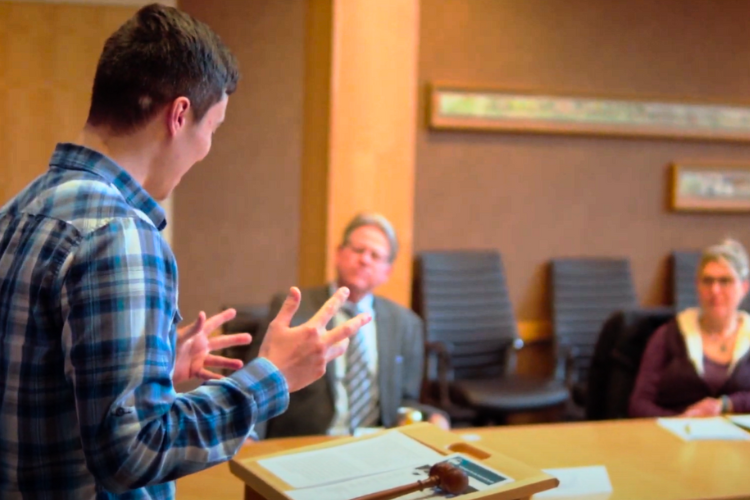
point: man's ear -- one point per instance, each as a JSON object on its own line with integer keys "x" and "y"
{"x": 177, "y": 115}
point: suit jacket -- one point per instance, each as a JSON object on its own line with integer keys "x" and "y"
{"x": 400, "y": 360}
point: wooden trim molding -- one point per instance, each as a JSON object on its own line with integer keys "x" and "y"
{"x": 134, "y": 3}
{"x": 534, "y": 331}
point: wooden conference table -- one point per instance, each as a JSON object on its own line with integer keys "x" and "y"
{"x": 644, "y": 461}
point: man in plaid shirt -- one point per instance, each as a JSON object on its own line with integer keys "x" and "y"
{"x": 89, "y": 349}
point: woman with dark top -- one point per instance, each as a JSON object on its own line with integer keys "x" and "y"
{"x": 697, "y": 365}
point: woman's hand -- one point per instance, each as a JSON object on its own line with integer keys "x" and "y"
{"x": 707, "y": 407}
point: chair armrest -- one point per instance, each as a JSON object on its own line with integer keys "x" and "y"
{"x": 565, "y": 363}
{"x": 444, "y": 369}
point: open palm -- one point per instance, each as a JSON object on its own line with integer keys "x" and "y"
{"x": 194, "y": 347}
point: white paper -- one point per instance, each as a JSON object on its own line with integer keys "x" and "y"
{"x": 365, "y": 431}
{"x": 360, "y": 458}
{"x": 697, "y": 429}
{"x": 741, "y": 420}
{"x": 480, "y": 478}
{"x": 579, "y": 482}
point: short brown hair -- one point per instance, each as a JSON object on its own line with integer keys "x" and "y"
{"x": 158, "y": 55}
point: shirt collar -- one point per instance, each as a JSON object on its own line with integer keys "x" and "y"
{"x": 365, "y": 304}
{"x": 74, "y": 157}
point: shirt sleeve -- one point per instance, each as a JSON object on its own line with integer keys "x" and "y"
{"x": 119, "y": 338}
{"x": 643, "y": 398}
{"x": 740, "y": 402}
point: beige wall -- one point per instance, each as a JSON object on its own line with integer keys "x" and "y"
{"x": 533, "y": 197}
{"x": 236, "y": 213}
{"x": 48, "y": 56}
{"x": 538, "y": 197}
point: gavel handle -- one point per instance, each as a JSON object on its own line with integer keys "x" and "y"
{"x": 401, "y": 490}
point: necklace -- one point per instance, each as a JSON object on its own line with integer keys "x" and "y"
{"x": 723, "y": 339}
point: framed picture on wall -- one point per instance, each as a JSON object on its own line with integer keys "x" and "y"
{"x": 464, "y": 107}
{"x": 710, "y": 187}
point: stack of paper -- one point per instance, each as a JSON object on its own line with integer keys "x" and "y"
{"x": 371, "y": 465}
{"x": 696, "y": 429}
{"x": 741, "y": 420}
{"x": 581, "y": 483}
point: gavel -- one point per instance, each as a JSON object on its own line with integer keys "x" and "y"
{"x": 445, "y": 476}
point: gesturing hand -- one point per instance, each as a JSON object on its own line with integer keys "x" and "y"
{"x": 194, "y": 348}
{"x": 301, "y": 353}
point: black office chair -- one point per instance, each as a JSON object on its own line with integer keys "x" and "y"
{"x": 471, "y": 335}
{"x": 249, "y": 318}
{"x": 617, "y": 359}
{"x": 684, "y": 273}
{"x": 585, "y": 291}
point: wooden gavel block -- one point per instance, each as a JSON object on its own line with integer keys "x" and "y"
{"x": 445, "y": 476}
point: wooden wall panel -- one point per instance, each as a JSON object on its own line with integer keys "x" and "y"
{"x": 48, "y": 55}
{"x": 537, "y": 197}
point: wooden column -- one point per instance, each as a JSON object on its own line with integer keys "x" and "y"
{"x": 360, "y": 129}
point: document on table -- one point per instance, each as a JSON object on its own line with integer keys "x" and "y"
{"x": 741, "y": 420}
{"x": 370, "y": 456}
{"x": 707, "y": 429}
{"x": 480, "y": 478}
{"x": 579, "y": 482}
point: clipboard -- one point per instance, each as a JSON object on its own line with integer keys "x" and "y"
{"x": 527, "y": 480}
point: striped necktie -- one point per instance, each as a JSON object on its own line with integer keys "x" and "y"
{"x": 361, "y": 386}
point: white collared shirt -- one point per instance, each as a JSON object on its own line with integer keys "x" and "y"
{"x": 340, "y": 423}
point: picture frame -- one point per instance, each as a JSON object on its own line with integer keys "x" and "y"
{"x": 482, "y": 108}
{"x": 710, "y": 187}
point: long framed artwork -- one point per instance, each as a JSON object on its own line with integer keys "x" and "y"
{"x": 458, "y": 107}
{"x": 710, "y": 187}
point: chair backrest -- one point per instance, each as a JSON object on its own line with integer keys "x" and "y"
{"x": 684, "y": 272}
{"x": 585, "y": 291}
{"x": 617, "y": 359}
{"x": 249, "y": 318}
{"x": 463, "y": 298}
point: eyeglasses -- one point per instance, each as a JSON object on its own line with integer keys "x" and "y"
{"x": 723, "y": 281}
{"x": 375, "y": 256}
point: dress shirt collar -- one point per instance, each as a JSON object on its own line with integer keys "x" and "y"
{"x": 74, "y": 157}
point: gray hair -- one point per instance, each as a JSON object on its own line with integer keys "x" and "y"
{"x": 732, "y": 253}
{"x": 378, "y": 221}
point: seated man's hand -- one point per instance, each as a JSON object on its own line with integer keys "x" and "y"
{"x": 194, "y": 347}
{"x": 301, "y": 353}
{"x": 440, "y": 421}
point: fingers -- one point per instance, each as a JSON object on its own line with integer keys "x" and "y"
{"x": 330, "y": 308}
{"x": 223, "y": 341}
{"x": 208, "y": 375}
{"x": 336, "y": 350}
{"x": 290, "y": 306}
{"x": 217, "y": 320}
{"x": 195, "y": 328}
{"x": 214, "y": 361}
{"x": 346, "y": 330}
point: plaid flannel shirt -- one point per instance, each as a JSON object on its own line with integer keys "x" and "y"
{"x": 88, "y": 315}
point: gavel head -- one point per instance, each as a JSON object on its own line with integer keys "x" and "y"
{"x": 452, "y": 479}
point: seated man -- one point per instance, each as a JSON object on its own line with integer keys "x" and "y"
{"x": 382, "y": 368}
